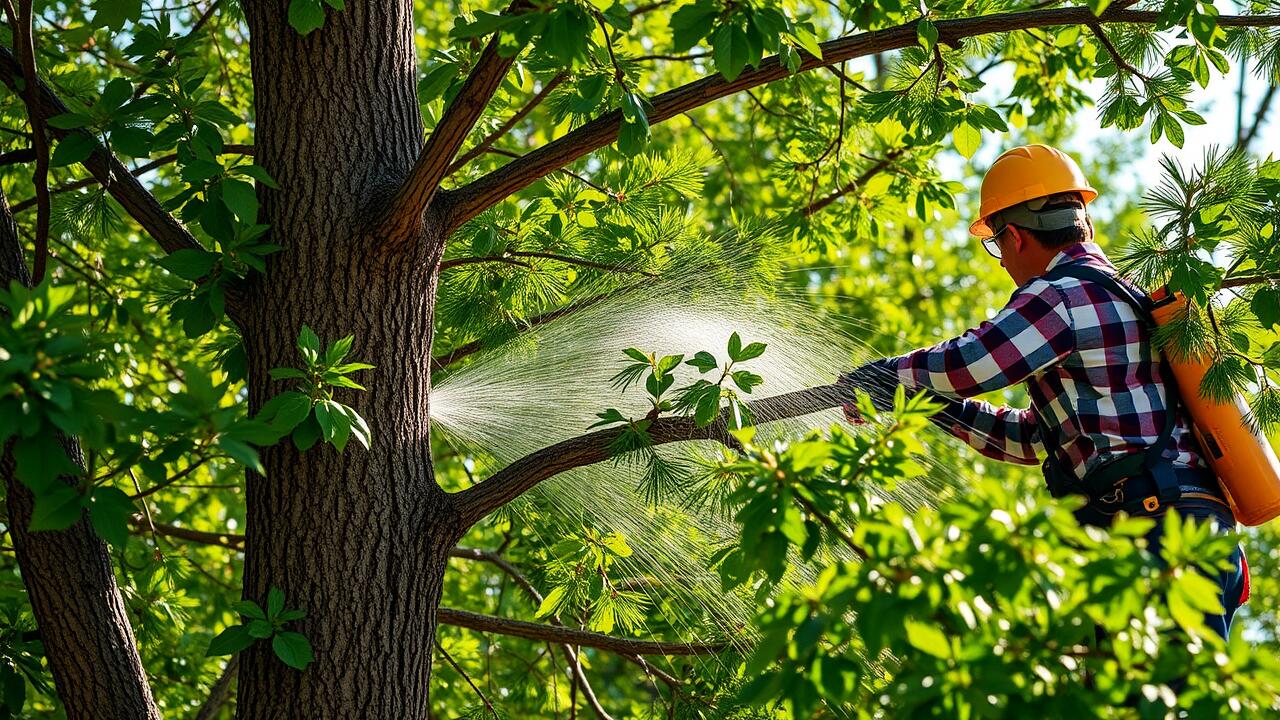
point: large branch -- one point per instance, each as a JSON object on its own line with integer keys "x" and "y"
{"x": 402, "y": 221}
{"x": 514, "y": 480}
{"x": 109, "y": 171}
{"x": 470, "y": 200}
{"x": 571, "y": 636}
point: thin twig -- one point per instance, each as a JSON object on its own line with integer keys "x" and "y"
{"x": 449, "y": 659}
{"x": 1119, "y": 60}
{"x": 511, "y": 122}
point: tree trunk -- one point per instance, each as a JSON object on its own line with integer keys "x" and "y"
{"x": 81, "y": 616}
{"x": 359, "y": 539}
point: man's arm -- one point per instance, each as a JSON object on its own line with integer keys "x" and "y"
{"x": 1001, "y": 433}
{"x": 1031, "y": 333}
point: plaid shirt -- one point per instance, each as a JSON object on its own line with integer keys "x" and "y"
{"x": 1084, "y": 354}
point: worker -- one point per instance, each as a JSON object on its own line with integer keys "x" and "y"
{"x": 1104, "y": 408}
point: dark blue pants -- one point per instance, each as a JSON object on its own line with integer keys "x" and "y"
{"x": 1233, "y": 584}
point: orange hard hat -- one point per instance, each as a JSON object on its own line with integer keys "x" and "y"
{"x": 1026, "y": 173}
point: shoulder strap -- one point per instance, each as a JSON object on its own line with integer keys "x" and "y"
{"x": 1153, "y": 460}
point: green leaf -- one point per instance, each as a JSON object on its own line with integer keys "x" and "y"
{"x": 109, "y": 512}
{"x": 730, "y": 50}
{"x": 967, "y": 139}
{"x": 249, "y": 609}
{"x": 306, "y": 434}
{"x": 57, "y": 509}
{"x": 306, "y": 15}
{"x": 928, "y": 638}
{"x": 690, "y": 23}
{"x": 359, "y": 428}
{"x": 926, "y": 35}
{"x": 275, "y": 602}
{"x": 552, "y": 602}
{"x": 708, "y": 407}
{"x": 746, "y": 380}
{"x": 308, "y": 341}
{"x": 293, "y": 649}
{"x": 1266, "y": 305}
{"x": 189, "y": 263}
{"x": 287, "y": 410}
{"x": 241, "y": 452}
{"x": 703, "y": 361}
{"x": 74, "y": 148}
{"x": 230, "y": 641}
{"x": 260, "y": 629}
{"x": 241, "y": 199}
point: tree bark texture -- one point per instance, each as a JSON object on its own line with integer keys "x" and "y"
{"x": 359, "y": 539}
{"x": 82, "y": 618}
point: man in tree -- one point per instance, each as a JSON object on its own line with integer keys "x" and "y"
{"x": 1104, "y": 411}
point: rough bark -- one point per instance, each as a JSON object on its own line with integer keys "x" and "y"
{"x": 359, "y": 539}
{"x": 81, "y": 616}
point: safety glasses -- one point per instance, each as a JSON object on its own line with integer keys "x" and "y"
{"x": 992, "y": 243}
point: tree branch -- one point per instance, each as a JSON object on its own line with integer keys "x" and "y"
{"x": 141, "y": 205}
{"x": 231, "y": 541}
{"x": 1258, "y": 117}
{"x": 402, "y": 221}
{"x": 221, "y": 691}
{"x": 511, "y": 122}
{"x": 514, "y": 480}
{"x": 1116, "y": 57}
{"x": 20, "y": 22}
{"x": 470, "y": 200}
{"x": 228, "y": 149}
{"x": 853, "y": 185}
{"x": 571, "y": 636}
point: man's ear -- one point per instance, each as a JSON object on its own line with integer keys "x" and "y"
{"x": 1020, "y": 237}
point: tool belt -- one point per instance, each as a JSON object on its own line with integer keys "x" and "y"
{"x": 1137, "y": 483}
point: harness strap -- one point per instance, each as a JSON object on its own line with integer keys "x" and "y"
{"x": 1106, "y": 479}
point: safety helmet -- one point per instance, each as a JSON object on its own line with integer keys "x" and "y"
{"x": 1026, "y": 173}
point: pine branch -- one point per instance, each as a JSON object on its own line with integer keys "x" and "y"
{"x": 572, "y": 636}
{"x": 166, "y": 230}
{"x": 510, "y": 259}
{"x": 458, "y": 669}
{"x": 402, "y": 222}
{"x": 470, "y": 200}
{"x": 1116, "y": 57}
{"x": 475, "y": 346}
{"x": 514, "y": 480}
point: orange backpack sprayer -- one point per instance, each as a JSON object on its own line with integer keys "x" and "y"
{"x": 1238, "y": 451}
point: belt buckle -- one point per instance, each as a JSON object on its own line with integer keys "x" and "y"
{"x": 1114, "y": 497}
{"x": 1151, "y": 503}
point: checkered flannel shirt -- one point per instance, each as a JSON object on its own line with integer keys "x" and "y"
{"x": 1090, "y": 370}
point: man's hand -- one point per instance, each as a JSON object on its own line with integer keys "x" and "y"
{"x": 879, "y": 378}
